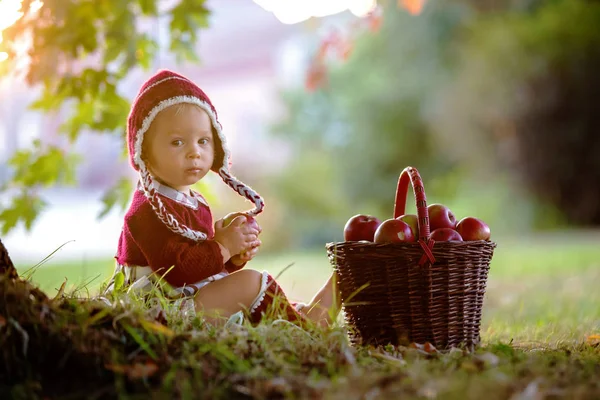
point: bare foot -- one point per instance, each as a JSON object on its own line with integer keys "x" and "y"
{"x": 325, "y": 305}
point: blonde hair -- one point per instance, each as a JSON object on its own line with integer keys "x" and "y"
{"x": 180, "y": 106}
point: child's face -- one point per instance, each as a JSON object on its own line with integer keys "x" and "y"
{"x": 179, "y": 147}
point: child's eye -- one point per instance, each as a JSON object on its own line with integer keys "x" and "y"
{"x": 177, "y": 142}
{"x": 204, "y": 141}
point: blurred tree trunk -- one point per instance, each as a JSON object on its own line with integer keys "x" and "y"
{"x": 558, "y": 138}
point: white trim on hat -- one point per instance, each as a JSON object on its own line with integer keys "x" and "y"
{"x": 181, "y": 78}
{"x": 139, "y": 135}
{"x": 235, "y": 184}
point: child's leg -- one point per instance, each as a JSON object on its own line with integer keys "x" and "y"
{"x": 246, "y": 289}
{"x": 272, "y": 301}
{"x": 326, "y": 304}
{"x": 224, "y": 297}
{"x": 250, "y": 290}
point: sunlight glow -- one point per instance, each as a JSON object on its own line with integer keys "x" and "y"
{"x": 10, "y": 12}
{"x": 36, "y": 5}
{"x": 294, "y": 11}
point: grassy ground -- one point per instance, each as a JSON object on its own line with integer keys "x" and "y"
{"x": 541, "y": 288}
{"x": 540, "y": 332}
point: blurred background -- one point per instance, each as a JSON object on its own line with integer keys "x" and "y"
{"x": 496, "y": 103}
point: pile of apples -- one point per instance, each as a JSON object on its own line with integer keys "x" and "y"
{"x": 442, "y": 222}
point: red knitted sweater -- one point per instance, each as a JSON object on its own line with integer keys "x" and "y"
{"x": 146, "y": 241}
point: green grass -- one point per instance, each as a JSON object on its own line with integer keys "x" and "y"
{"x": 541, "y": 288}
{"x": 541, "y": 307}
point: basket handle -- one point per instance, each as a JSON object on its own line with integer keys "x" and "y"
{"x": 411, "y": 175}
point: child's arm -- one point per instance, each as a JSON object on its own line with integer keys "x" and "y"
{"x": 163, "y": 249}
{"x": 239, "y": 261}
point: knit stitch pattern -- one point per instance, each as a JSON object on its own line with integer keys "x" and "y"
{"x": 146, "y": 241}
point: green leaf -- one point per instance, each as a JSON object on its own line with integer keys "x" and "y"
{"x": 187, "y": 17}
{"x": 145, "y": 50}
{"x": 148, "y": 7}
{"x": 24, "y": 208}
{"x": 45, "y": 168}
{"x": 85, "y": 112}
{"x": 184, "y": 50}
{"x": 119, "y": 281}
{"x": 48, "y": 100}
{"x": 34, "y": 206}
{"x": 9, "y": 217}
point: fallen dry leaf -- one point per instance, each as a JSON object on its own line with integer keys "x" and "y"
{"x": 415, "y": 345}
{"x": 593, "y": 340}
{"x": 135, "y": 371}
{"x": 157, "y": 328}
{"x": 429, "y": 348}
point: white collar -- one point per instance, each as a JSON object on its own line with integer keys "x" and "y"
{"x": 189, "y": 200}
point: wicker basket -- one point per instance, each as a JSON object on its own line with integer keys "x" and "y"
{"x": 422, "y": 291}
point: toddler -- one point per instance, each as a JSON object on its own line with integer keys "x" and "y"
{"x": 174, "y": 139}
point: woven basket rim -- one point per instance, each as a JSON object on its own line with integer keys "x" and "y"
{"x": 451, "y": 243}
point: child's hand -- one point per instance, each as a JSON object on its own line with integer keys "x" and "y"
{"x": 237, "y": 236}
{"x": 246, "y": 255}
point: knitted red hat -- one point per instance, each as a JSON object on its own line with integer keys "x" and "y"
{"x": 165, "y": 89}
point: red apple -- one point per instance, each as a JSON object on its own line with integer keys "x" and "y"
{"x": 249, "y": 219}
{"x": 394, "y": 231}
{"x": 440, "y": 216}
{"x": 471, "y": 228}
{"x": 413, "y": 221}
{"x": 361, "y": 227}
{"x": 445, "y": 235}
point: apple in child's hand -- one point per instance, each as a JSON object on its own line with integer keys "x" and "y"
{"x": 471, "y": 228}
{"x": 440, "y": 216}
{"x": 445, "y": 235}
{"x": 394, "y": 231}
{"x": 228, "y": 219}
{"x": 413, "y": 221}
{"x": 361, "y": 227}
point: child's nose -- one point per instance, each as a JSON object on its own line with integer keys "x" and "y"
{"x": 195, "y": 151}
